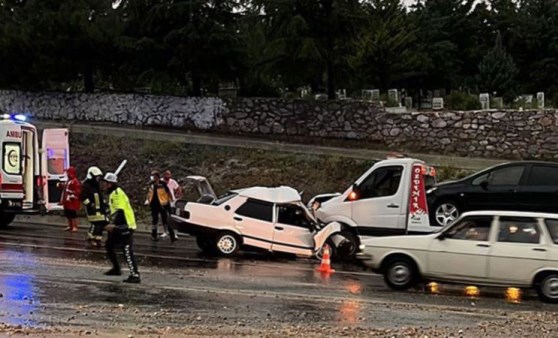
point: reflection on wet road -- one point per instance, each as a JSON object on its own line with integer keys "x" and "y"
{"x": 49, "y": 277}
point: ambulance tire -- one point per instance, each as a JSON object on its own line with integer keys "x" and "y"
{"x": 348, "y": 248}
{"x": 6, "y": 219}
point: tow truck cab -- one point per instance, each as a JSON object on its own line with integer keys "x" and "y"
{"x": 29, "y": 173}
{"x": 388, "y": 199}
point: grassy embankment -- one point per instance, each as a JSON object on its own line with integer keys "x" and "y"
{"x": 226, "y": 168}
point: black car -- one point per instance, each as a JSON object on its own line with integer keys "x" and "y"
{"x": 518, "y": 186}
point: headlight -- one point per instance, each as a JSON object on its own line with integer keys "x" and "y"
{"x": 362, "y": 247}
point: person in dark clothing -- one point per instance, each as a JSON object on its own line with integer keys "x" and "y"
{"x": 121, "y": 230}
{"x": 95, "y": 206}
{"x": 159, "y": 200}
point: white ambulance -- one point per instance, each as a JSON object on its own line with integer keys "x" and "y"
{"x": 388, "y": 199}
{"x": 30, "y": 171}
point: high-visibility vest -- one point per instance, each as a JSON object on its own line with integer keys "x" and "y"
{"x": 121, "y": 211}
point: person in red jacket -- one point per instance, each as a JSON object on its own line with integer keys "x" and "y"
{"x": 71, "y": 199}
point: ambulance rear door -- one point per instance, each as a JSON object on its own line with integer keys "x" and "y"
{"x": 55, "y": 159}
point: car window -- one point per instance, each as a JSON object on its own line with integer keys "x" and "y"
{"x": 382, "y": 182}
{"x": 256, "y": 209}
{"x": 543, "y": 176}
{"x": 552, "y": 226}
{"x": 471, "y": 229}
{"x": 480, "y": 179}
{"x": 519, "y": 230}
{"x": 293, "y": 215}
{"x": 506, "y": 176}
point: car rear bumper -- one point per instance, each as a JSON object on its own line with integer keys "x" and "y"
{"x": 185, "y": 227}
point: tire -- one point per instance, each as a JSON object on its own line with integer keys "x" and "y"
{"x": 401, "y": 273}
{"x": 547, "y": 288}
{"x": 205, "y": 244}
{"x": 348, "y": 247}
{"x": 6, "y": 219}
{"x": 445, "y": 212}
{"x": 332, "y": 250}
{"x": 227, "y": 244}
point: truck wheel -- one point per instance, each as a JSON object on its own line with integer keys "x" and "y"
{"x": 205, "y": 244}
{"x": 444, "y": 213}
{"x": 547, "y": 288}
{"x": 347, "y": 248}
{"x": 6, "y": 219}
{"x": 227, "y": 244}
{"x": 400, "y": 273}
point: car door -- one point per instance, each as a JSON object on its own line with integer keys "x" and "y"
{"x": 293, "y": 230}
{"x": 518, "y": 252}
{"x": 254, "y": 220}
{"x": 461, "y": 252}
{"x": 379, "y": 201}
{"x": 497, "y": 189}
{"x": 540, "y": 191}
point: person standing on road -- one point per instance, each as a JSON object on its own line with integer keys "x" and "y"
{"x": 120, "y": 230}
{"x": 70, "y": 199}
{"x": 159, "y": 199}
{"x": 174, "y": 187}
{"x": 95, "y": 206}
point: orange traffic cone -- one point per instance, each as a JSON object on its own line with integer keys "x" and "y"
{"x": 325, "y": 266}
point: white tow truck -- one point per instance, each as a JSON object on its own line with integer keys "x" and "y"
{"x": 389, "y": 199}
{"x": 30, "y": 171}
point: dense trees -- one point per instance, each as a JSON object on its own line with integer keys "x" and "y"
{"x": 268, "y": 46}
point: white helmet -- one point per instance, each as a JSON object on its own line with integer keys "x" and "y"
{"x": 93, "y": 172}
{"x": 111, "y": 178}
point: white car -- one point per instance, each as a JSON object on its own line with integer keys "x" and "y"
{"x": 495, "y": 248}
{"x": 272, "y": 219}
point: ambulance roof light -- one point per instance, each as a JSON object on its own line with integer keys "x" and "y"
{"x": 15, "y": 117}
{"x": 20, "y": 117}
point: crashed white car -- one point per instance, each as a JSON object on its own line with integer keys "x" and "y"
{"x": 272, "y": 219}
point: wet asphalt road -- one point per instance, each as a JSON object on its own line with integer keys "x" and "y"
{"x": 50, "y": 279}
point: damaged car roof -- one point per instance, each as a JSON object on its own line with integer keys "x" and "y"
{"x": 277, "y": 195}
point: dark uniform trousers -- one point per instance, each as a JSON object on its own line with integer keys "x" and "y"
{"x": 123, "y": 237}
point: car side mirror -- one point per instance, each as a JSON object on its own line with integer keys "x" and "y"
{"x": 484, "y": 184}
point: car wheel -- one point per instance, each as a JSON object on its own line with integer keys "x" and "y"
{"x": 6, "y": 219}
{"x": 400, "y": 274}
{"x": 332, "y": 250}
{"x": 347, "y": 245}
{"x": 445, "y": 212}
{"x": 547, "y": 289}
{"x": 205, "y": 244}
{"x": 227, "y": 244}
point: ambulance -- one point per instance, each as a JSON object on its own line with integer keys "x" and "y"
{"x": 30, "y": 171}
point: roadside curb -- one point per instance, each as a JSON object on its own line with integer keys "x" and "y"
{"x": 53, "y": 220}
{"x": 258, "y": 143}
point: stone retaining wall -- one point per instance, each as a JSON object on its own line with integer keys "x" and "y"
{"x": 502, "y": 134}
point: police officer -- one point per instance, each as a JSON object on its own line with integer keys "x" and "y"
{"x": 121, "y": 230}
{"x": 95, "y": 205}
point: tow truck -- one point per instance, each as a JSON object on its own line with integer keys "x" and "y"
{"x": 388, "y": 199}
{"x": 30, "y": 170}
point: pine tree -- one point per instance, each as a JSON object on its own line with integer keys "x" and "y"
{"x": 497, "y": 71}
